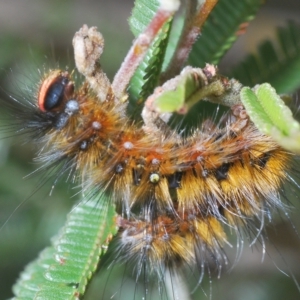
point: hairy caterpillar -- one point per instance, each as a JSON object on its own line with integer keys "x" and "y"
{"x": 219, "y": 176}
{"x": 152, "y": 177}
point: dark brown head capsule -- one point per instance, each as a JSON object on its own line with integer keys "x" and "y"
{"x": 54, "y": 91}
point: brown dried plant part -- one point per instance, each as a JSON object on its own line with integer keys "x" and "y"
{"x": 88, "y": 46}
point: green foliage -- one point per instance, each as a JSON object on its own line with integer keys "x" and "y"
{"x": 271, "y": 116}
{"x": 147, "y": 75}
{"x": 142, "y": 13}
{"x": 220, "y": 30}
{"x": 275, "y": 62}
{"x": 63, "y": 270}
{"x": 175, "y": 99}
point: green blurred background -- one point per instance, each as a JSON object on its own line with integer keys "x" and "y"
{"x": 36, "y": 35}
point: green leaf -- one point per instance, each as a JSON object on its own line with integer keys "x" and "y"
{"x": 277, "y": 63}
{"x": 193, "y": 85}
{"x": 142, "y": 13}
{"x": 63, "y": 270}
{"x": 147, "y": 75}
{"x": 255, "y": 110}
{"x": 276, "y": 109}
{"x": 175, "y": 32}
{"x": 175, "y": 99}
{"x": 220, "y": 30}
{"x": 271, "y": 116}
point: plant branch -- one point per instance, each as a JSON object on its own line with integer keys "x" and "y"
{"x": 140, "y": 47}
{"x": 195, "y": 18}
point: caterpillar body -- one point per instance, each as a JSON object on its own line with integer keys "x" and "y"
{"x": 176, "y": 195}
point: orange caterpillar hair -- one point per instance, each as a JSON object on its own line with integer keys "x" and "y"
{"x": 174, "y": 194}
